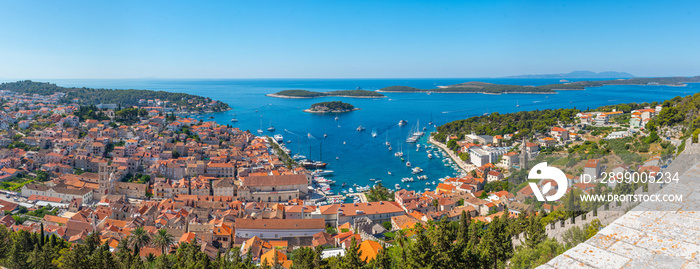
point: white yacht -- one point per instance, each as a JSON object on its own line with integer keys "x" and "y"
{"x": 402, "y": 122}
{"x": 279, "y": 138}
{"x": 360, "y": 128}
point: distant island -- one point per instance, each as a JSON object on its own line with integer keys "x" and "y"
{"x": 579, "y": 74}
{"x": 331, "y": 107}
{"x": 492, "y": 88}
{"x": 151, "y": 100}
{"x": 310, "y": 94}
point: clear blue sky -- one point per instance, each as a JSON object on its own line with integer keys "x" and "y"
{"x": 345, "y": 39}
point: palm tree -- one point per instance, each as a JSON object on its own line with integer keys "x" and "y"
{"x": 139, "y": 238}
{"x": 163, "y": 240}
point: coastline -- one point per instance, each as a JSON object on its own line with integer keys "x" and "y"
{"x": 308, "y": 110}
{"x": 467, "y": 168}
{"x": 301, "y": 97}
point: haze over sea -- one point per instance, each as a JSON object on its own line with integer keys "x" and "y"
{"x": 363, "y": 157}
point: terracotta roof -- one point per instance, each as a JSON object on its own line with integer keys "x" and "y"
{"x": 256, "y": 181}
{"x": 280, "y": 224}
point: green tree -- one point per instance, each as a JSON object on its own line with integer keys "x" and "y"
{"x": 163, "y": 240}
{"x": 139, "y": 238}
{"x": 420, "y": 252}
{"x": 496, "y": 245}
{"x": 535, "y": 233}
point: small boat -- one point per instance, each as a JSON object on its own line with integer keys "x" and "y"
{"x": 427, "y": 189}
{"x": 402, "y": 122}
{"x": 289, "y": 141}
{"x": 360, "y": 128}
{"x": 260, "y": 131}
{"x": 408, "y": 185}
{"x": 325, "y": 135}
{"x": 344, "y": 184}
{"x": 389, "y": 148}
{"x": 234, "y": 120}
{"x": 336, "y": 118}
{"x": 517, "y": 104}
{"x": 389, "y": 172}
{"x": 278, "y": 138}
{"x": 372, "y": 179}
{"x": 408, "y": 164}
{"x": 397, "y": 186}
{"x": 378, "y": 181}
{"x": 344, "y": 191}
{"x": 374, "y": 134}
{"x": 430, "y": 156}
{"x": 350, "y": 190}
{"x": 211, "y": 117}
{"x": 271, "y": 129}
{"x": 309, "y": 135}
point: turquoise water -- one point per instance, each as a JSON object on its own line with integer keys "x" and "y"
{"x": 363, "y": 157}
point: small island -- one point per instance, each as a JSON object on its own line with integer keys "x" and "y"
{"x": 310, "y": 94}
{"x": 331, "y": 107}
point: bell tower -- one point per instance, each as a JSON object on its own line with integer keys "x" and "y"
{"x": 523, "y": 154}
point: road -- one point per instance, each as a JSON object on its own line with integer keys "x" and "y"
{"x": 465, "y": 167}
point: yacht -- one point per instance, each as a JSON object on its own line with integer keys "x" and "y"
{"x": 211, "y": 117}
{"x": 398, "y": 154}
{"x": 278, "y": 138}
{"x": 234, "y": 120}
{"x": 321, "y": 172}
{"x": 389, "y": 172}
{"x": 402, "y": 122}
{"x": 260, "y": 131}
{"x": 372, "y": 179}
{"x": 360, "y": 128}
{"x": 271, "y": 128}
{"x": 336, "y": 118}
{"x": 325, "y": 135}
{"x": 430, "y": 156}
{"x": 374, "y": 134}
{"x": 397, "y": 186}
{"x": 408, "y": 164}
{"x": 298, "y": 156}
{"x": 417, "y": 170}
{"x": 389, "y": 148}
{"x": 344, "y": 184}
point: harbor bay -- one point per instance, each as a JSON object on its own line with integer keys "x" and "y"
{"x": 357, "y": 156}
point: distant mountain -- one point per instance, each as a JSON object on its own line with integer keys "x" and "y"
{"x": 580, "y": 74}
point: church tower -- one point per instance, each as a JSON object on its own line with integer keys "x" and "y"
{"x": 104, "y": 180}
{"x": 523, "y": 154}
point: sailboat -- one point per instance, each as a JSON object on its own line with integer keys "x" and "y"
{"x": 336, "y": 117}
{"x": 271, "y": 128}
{"x": 374, "y": 132}
{"x": 260, "y": 131}
{"x": 387, "y": 140}
{"x": 431, "y": 118}
{"x": 517, "y": 104}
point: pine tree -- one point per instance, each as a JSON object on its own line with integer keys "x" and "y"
{"x": 535, "y": 233}
{"x": 420, "y": 252}
{"x": 352, "y": 257}
{"x": 496, "y": 245}
{"x": 382, "y": 261}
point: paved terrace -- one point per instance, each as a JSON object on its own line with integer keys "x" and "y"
{"x": 653, "y": 234}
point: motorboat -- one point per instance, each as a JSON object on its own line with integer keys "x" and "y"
{"x": 234, "y": 120}
{"x": 417, "y": 170}
{"x": 402, "y": 122}
{"x": 360, "y": 128}
{"x": 278, "y": 138}
{"x": 321, "y": 172}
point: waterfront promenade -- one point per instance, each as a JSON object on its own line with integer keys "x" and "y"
{"x": 463, "y": 165}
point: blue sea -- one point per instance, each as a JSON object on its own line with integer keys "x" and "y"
{"x": 359, "y": 155}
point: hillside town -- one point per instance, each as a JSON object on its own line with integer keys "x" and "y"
{"x": 223, "y": 187}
